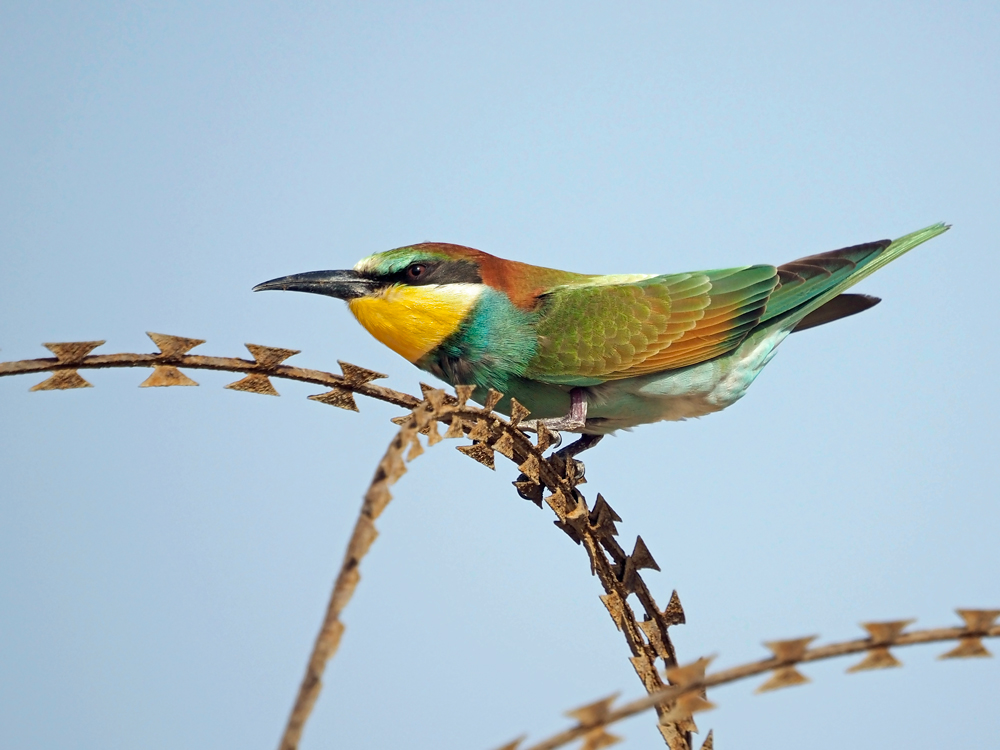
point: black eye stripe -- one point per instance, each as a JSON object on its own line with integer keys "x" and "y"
{"x": 436, "y": 272}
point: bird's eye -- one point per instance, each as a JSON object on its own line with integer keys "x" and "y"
{"x": 416, "y": 271}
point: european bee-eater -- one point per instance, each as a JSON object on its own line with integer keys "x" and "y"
{"x": 594, "y": 354}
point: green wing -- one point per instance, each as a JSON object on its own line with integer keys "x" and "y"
{"x": 603, "y": 330}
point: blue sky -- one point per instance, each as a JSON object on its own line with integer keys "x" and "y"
{"x": 167, "y": 553}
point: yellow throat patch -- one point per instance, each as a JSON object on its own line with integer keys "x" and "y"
{"x": 412, "y": 320}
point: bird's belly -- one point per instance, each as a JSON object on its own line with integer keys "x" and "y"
{"x": 678, "y": 394}
{"x": 621, "y": 404}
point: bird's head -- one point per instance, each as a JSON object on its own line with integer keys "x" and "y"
{"x": 411, "y": 298}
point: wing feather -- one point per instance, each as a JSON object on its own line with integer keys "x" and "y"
{"x": 614, "y": 331}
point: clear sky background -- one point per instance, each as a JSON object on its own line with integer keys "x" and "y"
{"x": 166, "y": 554}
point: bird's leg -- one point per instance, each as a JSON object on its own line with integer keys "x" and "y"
{"x": 576, "y": 448}
{"x": 574, "y": 421}
{"x": 586, "y": 442}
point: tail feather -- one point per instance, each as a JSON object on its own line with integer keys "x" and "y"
{"x": 803, "y": 280}
{"x": 866, "y": 259}
{"x": 841, "y": 306}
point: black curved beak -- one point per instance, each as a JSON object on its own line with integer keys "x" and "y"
{"x": 339, "y": 284}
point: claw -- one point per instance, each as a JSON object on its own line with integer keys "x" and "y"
{"x": 531, "y": 425}
{"x": 528, "y": 490}
{"x": 556, "y": 440}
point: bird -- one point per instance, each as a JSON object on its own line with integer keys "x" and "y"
{"x": 594, "y": 354}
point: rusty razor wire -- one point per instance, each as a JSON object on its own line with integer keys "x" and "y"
{"x": 676, "y": 692}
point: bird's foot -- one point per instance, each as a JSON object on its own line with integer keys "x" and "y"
{"x": 555, "y": 436}
{"x": 534, "y": 493}
{"x": 560, "y": 424}
{"x": 585, "y": 442}
{"x": 530, "y": 490}
{"x": 575, "y": 421}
